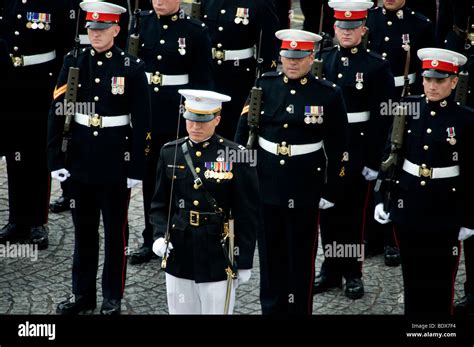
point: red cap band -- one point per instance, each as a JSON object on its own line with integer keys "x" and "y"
{"x": 440, "y": 65}
{"x": 350, "y": 15}
{"x": 102, "y": 17}
{"x": 298, "y": 45}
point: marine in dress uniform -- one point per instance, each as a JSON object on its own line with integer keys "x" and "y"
{"x": 395, "y": 29}
{"x": 62, "y": 203}
{"x": 209, "y": 189}
{"x": 367, "y": 83}
{"x": 105, "y": 156}
{"x": 235, "y": 28}
{"x": 38, "y": 34}
{"x": 176, "y": 50}
{"x": 432, "y": 195}
{"x": 303, "y": 124}
{"x": 462, "y": 41}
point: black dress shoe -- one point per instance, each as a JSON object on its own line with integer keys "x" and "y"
{"x": 323, "y": 283}
{"x": 110, "y": 307}
{"x": 11, "y": 232}
{"x": 354, "y": 288}
{"x": 60, "y": 205}
{"x": 143, "y": 255}
{"x": 39, "y": 236}
{"x": 392, "y": 256}
{"x": 76, "y": 304}
{"x": 465, "y": 305}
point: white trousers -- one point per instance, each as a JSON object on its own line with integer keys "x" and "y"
{"x": 188, "y": 297}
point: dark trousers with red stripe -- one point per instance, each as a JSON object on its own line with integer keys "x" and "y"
{"x": 342, "y": 226}
{"x": 28, "y": 175}
{"x": 430, "y": 258}
{"x": 287, "y": 244}
{"x": 88, "y": 202}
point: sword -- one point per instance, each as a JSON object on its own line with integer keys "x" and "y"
{"x": 229, "y": 254}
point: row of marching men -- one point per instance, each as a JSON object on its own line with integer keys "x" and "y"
{"x": 291, "y": 129}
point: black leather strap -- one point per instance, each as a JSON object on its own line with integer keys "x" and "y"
{"x": 197, "y": 180}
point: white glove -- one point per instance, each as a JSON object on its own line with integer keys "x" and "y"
{"x": 61, "y": 175}
{"x": 324, "y": 204}
{"x": 159, "y": 247}
{"x": 132, "y": 183}
{"x": 369, "y": 174}
{"x": 244, "y": 275}
{"x": 465, "y": 233}
{"x": 380, "y": 215}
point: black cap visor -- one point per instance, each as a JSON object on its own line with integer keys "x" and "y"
{"x": 99, "y": 25}
{"x": 348, "y": 24}
{"x": 294, "y": 54}
{"x": 202, "y": 118}
{"x": 432, "y": 73}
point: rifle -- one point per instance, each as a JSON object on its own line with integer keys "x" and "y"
{"x": 462, "y": 88}
{"x": 71, "y": 92}
{"x": 365, "y": 39}
{"x": 255, "y": 101}
{"x": 394, "y": 160}
{"x": 406, "y": 80}
{"x": 317, "y": 68}
{"x": 134, "y": 39}
{"x": 196, "y": 9}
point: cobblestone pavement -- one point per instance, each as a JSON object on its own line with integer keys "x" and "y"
{"x": 35, "y": 287}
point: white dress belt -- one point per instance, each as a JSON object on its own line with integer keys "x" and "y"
{"x": 84, "y": 39}
{"x": 167, "y": 80}
{"x": 35, "y": 59}
{"x": 357, "y": 117}
{"x": 101, "y": 122}
{"x": 435, "y": 172}
{"x": 289, "y": 150}
{"x": 232, "y": 54}
{"x": 400, "y": 80}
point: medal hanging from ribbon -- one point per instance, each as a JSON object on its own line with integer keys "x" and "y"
{"x": 406, "y": 41}
{"x": 313, "y": 114}
{"x": 451, "y": 134}
{"x": 218, "y": 170}
{"x": 242, "y": 16}
{"x": 245, "y": 20}
{"x": 38, "y": 20}
{"x": 118, "y": 85}
{"x": 182, "y": 45}
{"x": 359, "y": 80}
